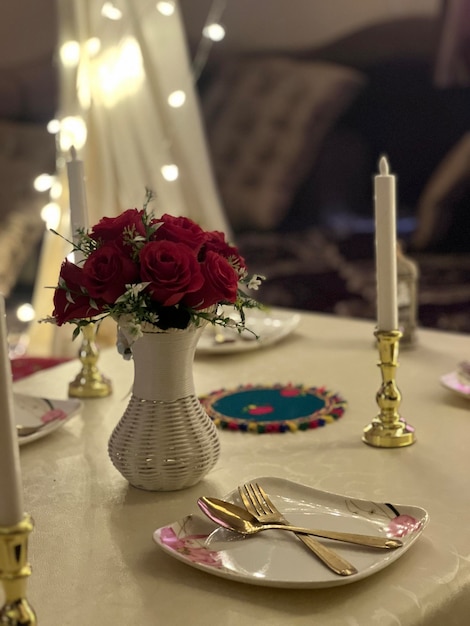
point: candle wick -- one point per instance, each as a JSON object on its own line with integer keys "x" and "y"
{"x": 73, "y": 153}
{"x": 383, "y": 166}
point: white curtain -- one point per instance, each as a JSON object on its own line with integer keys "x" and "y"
{"x": 123, "y": 67}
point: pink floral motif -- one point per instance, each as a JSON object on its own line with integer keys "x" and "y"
{"x": 402, "y": 525}
{"x": 254, "y": 409}
{"x": 53, "y": 415}
{"x": 191, "y": 547}
{"x": 291, "y": 392}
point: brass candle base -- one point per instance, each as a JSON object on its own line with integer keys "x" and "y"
{"x": 89, "y": 382}
{"x": 388, "y": 429}
{"x": 14, "y": 573}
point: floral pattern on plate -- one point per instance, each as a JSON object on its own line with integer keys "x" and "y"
{"x": 457, "y": 383}
{"x": 192, "y": 547}
{"x": 46, "y": 414}
{"x": 277, "y": 558}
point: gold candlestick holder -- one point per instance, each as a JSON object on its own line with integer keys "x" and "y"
{"x": 89, "y": 382}
{"x": 388, "y": 429}
{"x": 14, "y": 573}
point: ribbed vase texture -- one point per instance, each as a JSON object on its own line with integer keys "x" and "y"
{"x": 165, "y": 440}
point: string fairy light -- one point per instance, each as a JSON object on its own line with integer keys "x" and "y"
{"x": 43, "y": 182}
{"x": 72, "y": 129}
{"x": 69, "y": 53}
{"x": 170, "y": 172}
{"x": 165, "y": 8}
{"x": 212, "y": 32}
{"x": 111, "y": 11}
{"x": 177, "y": 98}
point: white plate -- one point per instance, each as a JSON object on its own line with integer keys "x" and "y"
{"x": 269, "y": 326}
{"x": 33, "y": 411}
{"x": 456, "y": 383}
{"x": 277, "y": 558}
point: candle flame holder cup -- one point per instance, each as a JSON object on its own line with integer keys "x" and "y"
{"x": 89, "y": 382}
{"x": 388, "y": 429}
{"x": 14, "y": 573}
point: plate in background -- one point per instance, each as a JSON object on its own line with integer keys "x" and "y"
{"x": 49, "y": 415}
{"x": 270, "y": 326}
{"x": 454, "y": 382}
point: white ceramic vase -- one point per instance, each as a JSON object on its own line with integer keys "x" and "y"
{"x": 165, "y": 440}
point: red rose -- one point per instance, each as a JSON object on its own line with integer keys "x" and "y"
{"x": 215, "y": 241}
{"x": 107, "y": 271}
{"x": 180, "y": 230}
{"x": 171, "y": 269}
{"x": 220, "y": 283}
{"x": 111, "y": 229}
{"x": 73, "y": 302}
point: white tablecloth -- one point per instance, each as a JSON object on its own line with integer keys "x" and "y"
{"x": 94, "y": 561}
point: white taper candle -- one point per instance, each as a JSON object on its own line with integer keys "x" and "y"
{"x": 11, "y": 493}
{"x": 386, "y": 248}
{"x": 77, "y": 196}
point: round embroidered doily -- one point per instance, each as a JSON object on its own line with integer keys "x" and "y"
{"x": 274, "y": 408}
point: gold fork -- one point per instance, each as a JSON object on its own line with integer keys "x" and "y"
{"x": 257, "y": 502}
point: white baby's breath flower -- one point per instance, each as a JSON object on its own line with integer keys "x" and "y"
{"x": 132, "y": 291}
{"x": 255, "y": 281}
{"x": 153, "y": 318}
{"x": 135, "y": 331}
{"x": 123, "y": 345}
{"x": 129, "y": 330}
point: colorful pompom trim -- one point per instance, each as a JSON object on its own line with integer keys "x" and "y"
{"x": 273, "y": 409}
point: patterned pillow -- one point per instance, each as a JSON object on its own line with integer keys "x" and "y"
{"x": 449, "y": 182}
{"x": 266, "y": 120}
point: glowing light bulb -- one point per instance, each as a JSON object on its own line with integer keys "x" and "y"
{"x": 56, "y": 190}
{"x": 165, "y": 8}
{"x": 53, "y": 127}
{"x": 93, "y": 46}
{"x": 72, "y": 133}
{"x": 70, "y": 53}
{"x": 177, "y": 98}
{"x": 50, "y": 214}
{"x": 110, "y": 11}
{"x": 170, "y": 172}
{"x": 25, "y": 312}
{"x": 120, "y": 72}
{"x": 214, "y": 32}
{"x": 43, "y": 182}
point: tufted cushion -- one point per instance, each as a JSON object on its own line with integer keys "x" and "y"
{"x": 26, "y": 150}
{"x": 266, "y": 119}
{"x": 28, "y": 92}
{"x": 449, "y": 183}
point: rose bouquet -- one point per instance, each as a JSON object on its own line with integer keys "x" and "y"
{"x": 166, "y": 271}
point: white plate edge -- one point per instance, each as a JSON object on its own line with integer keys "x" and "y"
{"x": 308, "y": 584}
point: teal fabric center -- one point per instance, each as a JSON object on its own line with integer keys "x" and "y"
{"x": 268, "y": 405}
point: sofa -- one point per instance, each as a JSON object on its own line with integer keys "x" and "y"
{"x": 28, "y": 100}
{"x": 295, "y": 138}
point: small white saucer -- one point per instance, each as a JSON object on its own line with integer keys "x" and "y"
{"x": 456, "y": 383}
{"x": 47, "y": 414}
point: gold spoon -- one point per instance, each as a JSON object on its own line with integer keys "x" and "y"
{"x": 238, "y": 519}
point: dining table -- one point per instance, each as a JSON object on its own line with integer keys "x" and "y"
{"x": 92, "y": 550}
